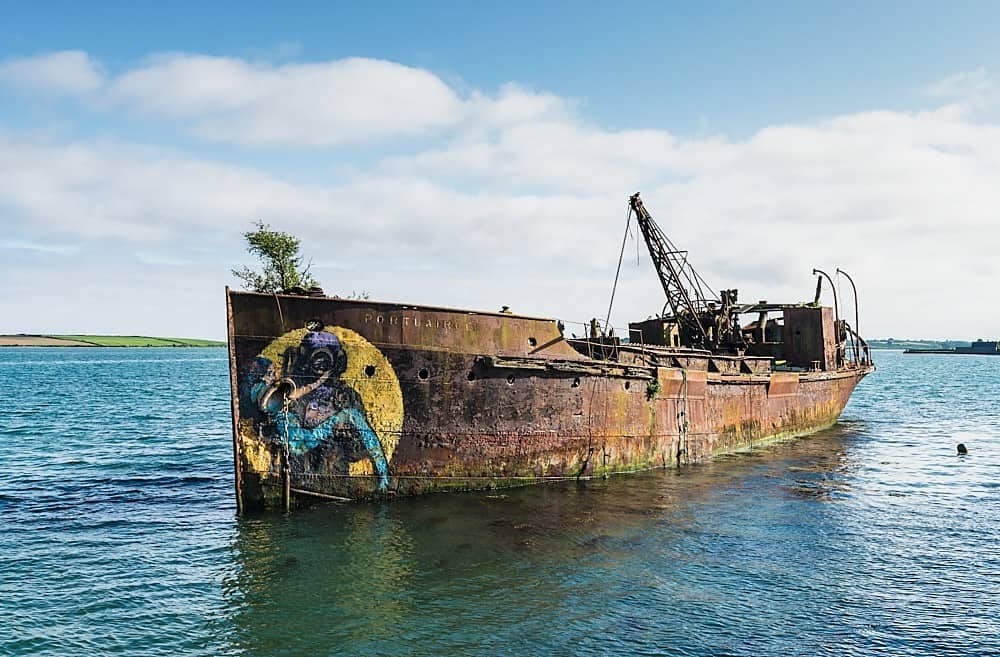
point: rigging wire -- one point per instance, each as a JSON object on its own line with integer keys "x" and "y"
{"x": 621, "y": 256}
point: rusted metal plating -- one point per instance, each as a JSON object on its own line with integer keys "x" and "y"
{"x": 376, "y": 399}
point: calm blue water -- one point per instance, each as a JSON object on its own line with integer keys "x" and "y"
{"x": 118, "y": 534}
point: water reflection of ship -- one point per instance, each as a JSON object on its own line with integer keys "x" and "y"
{"x": 370, "y": 578}
{"x": 320, "y": 581}
{"x": 346, "y": 399}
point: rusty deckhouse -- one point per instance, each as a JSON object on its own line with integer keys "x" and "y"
{"x": 353, "y": 399}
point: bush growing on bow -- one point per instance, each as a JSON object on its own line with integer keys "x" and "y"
{"x": 282, "y": 265}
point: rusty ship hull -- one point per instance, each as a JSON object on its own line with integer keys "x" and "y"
{"x": 355, "y": 399}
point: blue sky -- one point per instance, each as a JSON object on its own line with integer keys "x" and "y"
{"x": 738, "y": 65}
{"x": 767, "y": 137}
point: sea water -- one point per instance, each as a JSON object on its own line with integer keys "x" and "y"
{"x": 118, "y": 534}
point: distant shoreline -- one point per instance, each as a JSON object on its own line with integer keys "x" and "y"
{"x": 890, "y": 343}
{"x": 47, "y": 340}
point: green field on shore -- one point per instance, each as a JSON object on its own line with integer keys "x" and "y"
{"x": 50, "y": 340}
{"x": 139, "y": 341}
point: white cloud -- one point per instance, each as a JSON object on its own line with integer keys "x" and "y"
{"x": 38, "y": 247}
{"x": 101, "y": 191}
{"x": 161, "y": 260}
{"x": 521, "y": 200}
{"x": 512, "y": 105}
{"x": 975, "y": 91}
{"x": 569, "y": 154}
{"x": 965, "y": 84}
{"x": 324, "y": 104}
{"x": 69, "y": 72}
{"x": 231, "y": 100}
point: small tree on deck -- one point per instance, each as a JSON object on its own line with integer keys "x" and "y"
{"x": 280, "y": 259}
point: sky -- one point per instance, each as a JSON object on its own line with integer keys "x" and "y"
{"x": 473, "y": 155}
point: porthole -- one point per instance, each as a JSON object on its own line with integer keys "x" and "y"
{"x": 576, "y": 383}
{"x": 471, "y": 376}
{"x": 628, "y": 384}
{"x": 533, "y": 342}
{"x": 423, "y": 374}
{"x": 510, "y": 379}
{"x": 369, "y": 371}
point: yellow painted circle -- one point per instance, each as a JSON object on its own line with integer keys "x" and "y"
{"x": 380, "y": 393}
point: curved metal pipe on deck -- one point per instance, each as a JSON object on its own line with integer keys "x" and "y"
{"x": 836, "y": 306}
{"x": 857, "y": 328}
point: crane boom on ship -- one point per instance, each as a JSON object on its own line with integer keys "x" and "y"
{"x": 704, "y": 320}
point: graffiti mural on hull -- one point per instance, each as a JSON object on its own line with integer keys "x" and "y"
{"x": 331, "y": 401}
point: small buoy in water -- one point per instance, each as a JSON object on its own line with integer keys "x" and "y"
{"x": 961, "y": 449}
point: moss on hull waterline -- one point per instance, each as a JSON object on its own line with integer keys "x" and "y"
{"x": 271, "y": 490}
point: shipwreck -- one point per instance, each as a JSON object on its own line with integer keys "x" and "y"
{"x": 354, "y": 399}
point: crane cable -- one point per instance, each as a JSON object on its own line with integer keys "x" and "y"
{"x": 621, "y": 256}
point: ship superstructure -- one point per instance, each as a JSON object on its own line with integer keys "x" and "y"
{"x": 351, "y": 399}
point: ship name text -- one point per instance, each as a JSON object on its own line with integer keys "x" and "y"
{"x": 416, "y": 321}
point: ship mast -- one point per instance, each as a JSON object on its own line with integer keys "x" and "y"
{"x": 704, "y": 320}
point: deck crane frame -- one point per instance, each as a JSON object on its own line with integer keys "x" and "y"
{"x": 705, "y": 320}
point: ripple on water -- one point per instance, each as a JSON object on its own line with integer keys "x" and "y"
{"x": 119, "y": 534}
